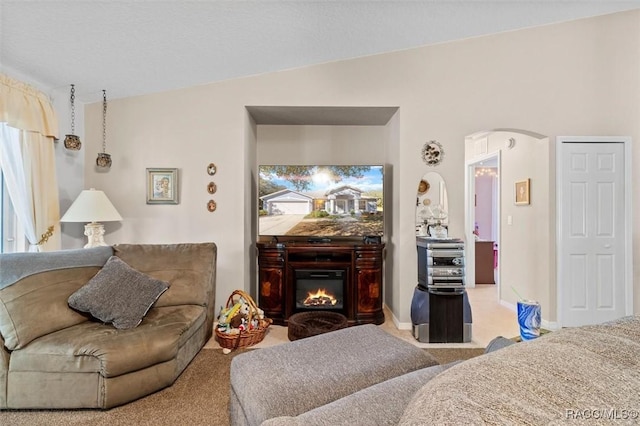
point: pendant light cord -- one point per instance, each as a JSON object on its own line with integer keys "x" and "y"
{"x": 104, "y": 121}
{"x": 73, "y": 110}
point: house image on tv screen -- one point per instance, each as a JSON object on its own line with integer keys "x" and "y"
{"x": 338, "y": 201}
{"x": 315, "y": 201}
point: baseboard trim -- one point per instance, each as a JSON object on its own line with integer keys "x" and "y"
{"x": 399, "y": 325}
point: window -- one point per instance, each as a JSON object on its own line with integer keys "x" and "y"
{"x": 12, "y": 238}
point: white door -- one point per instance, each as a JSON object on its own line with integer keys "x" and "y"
{"x": 592, "y": 233}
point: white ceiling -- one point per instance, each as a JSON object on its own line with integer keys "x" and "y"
{"x": 136, "y": 47}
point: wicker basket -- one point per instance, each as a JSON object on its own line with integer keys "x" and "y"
{"x": 245, "y": 337}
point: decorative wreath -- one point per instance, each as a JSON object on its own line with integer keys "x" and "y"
{"x": 432, "y": 153}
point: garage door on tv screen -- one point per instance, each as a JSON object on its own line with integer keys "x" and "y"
{"x": 320, "y": 201}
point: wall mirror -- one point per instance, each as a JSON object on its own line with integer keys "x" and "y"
{"x": 432, "y": 206}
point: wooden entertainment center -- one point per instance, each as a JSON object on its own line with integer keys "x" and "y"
{"x": 358, "y": 264}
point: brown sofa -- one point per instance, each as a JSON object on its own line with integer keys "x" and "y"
{"x": 52, "y": 356}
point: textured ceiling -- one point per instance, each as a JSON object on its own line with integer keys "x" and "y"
{"x": 137, "y": 47}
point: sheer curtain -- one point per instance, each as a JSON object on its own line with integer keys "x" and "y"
{"x": 28, "y": 126}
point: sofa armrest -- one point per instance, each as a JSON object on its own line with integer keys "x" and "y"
{"x": 5, "y": 354}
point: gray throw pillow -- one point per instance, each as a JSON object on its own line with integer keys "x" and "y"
{"x": 118, "y": 294}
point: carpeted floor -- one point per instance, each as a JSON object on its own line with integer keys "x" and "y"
{"x": 200, "y": 396}
{"x": 447, "y": 355}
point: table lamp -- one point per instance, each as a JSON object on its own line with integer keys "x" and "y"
{"x": 92, "y": 206}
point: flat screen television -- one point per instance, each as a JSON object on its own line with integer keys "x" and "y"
{"x": 320, "y": 201}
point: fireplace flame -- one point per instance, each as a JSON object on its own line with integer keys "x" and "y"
{"x": 320, "y": 298}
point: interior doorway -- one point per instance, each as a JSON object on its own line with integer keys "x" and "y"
{"x": 483, "y": 219}
{"x": 525, "y": 234}
{"x": 486, "y": 220}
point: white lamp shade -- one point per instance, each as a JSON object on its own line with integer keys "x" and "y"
{"x": 91, "y": 206}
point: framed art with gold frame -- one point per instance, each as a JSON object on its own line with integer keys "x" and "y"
{"x": 522, "y": 192}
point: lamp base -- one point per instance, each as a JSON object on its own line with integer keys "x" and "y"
{"x": 95, "y": 234}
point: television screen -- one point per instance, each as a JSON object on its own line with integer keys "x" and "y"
{"x": 320, "y": 201}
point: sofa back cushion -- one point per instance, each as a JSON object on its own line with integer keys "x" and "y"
{"x": 189, "y": 269}
{"x": 34, "y": 288}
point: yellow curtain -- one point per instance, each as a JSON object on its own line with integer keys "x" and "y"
{"x": 28, "y": 110}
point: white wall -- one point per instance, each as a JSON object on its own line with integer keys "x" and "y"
{"x": 69, "y": 165}
{"x": 576, "y": 78}
{"x": 344, "y": 145}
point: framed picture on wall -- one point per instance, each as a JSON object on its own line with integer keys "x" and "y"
{"x": 162, "y": 186}
{"x": 522, "y": 192}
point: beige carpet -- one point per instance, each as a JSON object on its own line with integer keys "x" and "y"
{"x": 200, "y": 396}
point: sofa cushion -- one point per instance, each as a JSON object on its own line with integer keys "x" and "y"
{"x": 96, "y": 347}
{"x": 37, "y": 285}
{"x": 542, "y": 381}
{"x": 381, "y": 404}
{"x": 190, "y": 268}
{"x": 118, "y": 294}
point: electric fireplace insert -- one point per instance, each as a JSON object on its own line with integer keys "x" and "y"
{"x": 319, "y": 289}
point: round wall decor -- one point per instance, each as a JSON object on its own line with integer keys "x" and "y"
{"x": 432, "y": 153}
{"x": 423, "y": 187}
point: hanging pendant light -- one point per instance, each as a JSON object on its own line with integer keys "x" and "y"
{"x": 72, "y": 142}
{"x": 104, "y": 159}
